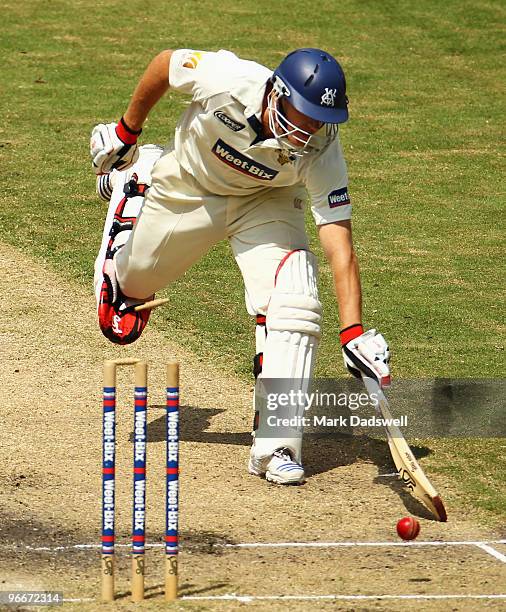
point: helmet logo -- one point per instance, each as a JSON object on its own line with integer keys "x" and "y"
{"x": 328, "y": 97}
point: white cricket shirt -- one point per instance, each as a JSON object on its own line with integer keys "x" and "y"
{"x": 217, "y": 138}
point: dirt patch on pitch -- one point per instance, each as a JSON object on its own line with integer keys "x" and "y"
{"x": 50, "y": 461}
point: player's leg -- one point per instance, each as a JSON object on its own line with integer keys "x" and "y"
{"x": 154, "y": 240}
{"x": 291, "y": 337}
{"x": 126, "y": 192}
{"x": 280, "y": 284}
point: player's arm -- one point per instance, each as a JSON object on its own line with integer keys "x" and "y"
{"x": 114, "y": 145}
{"x": 151, "y": 87}
{"x": 364, "y": 353}
{"x": 337, "y": 243}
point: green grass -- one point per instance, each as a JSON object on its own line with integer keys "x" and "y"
{"x": 423, "y": 146}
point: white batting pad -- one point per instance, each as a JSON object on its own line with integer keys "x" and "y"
{"x": 293, "y": 332}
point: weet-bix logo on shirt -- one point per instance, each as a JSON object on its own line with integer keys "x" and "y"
{"x": 339, "y": 197}
{"x": 240, "y": 162}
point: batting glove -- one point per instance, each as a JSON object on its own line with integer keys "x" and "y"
{"x": 366, "y": 353}
{"x": 113, "y": 146}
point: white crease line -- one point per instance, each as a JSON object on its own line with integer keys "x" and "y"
{"x": 492, "y": 551}
{"x": 273, "y": 545}
{"x": 346, "y": 544}
{"x": 78, "y": 547}
{"x": 248, "y": 598}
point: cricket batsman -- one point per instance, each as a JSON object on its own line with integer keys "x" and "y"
{"x": 251, "y": 146}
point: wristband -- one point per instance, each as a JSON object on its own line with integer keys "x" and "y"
{"x": 350, "y": 333}
{"x": 126, "y": 134}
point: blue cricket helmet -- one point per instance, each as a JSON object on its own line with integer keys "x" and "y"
{"x": 314, "y": 83}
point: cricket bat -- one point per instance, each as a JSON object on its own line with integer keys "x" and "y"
{"x": 407, "y": 466}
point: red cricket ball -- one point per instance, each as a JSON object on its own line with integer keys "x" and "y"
{"x": 408, "y": 528}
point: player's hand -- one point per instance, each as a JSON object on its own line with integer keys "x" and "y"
{"x": 113, "y": 146}
{"x": 366, "y": 353}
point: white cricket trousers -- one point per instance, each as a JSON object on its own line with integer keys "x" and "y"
{"x": 180, "y": 222}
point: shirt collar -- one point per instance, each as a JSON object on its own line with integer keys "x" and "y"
{"x": 254, "y": 104}
{"x": 253, "y": 113}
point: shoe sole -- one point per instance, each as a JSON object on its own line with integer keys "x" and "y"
{"x": 277, "y": 479}
{"x": 282, "y": 481}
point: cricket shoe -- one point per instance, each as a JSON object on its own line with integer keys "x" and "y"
{"x": 280, "y": 468}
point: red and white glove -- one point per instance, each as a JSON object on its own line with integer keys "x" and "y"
{"x": 366, "y": 353}
{"x": 113, "y": 146}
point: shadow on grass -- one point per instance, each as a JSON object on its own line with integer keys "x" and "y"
{"x": 322, "y": 452}
{"x": 193, "y": 424}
